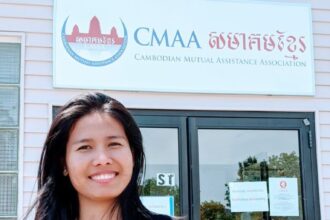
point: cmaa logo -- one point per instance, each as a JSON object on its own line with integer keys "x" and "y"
{"x": 94, "y": 48}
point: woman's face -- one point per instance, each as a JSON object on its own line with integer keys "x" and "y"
{"x": 98, "y": 158}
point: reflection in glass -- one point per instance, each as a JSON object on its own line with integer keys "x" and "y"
{"x": 162, "y": 159}
{"x": 228, "y": 155}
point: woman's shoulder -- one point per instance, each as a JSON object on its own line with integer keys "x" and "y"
{"x": 160, "y": 217}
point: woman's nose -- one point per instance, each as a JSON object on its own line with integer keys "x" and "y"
{"x": 102, "y": 157}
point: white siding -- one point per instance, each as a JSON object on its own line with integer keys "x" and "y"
{"x": 326, "y": 183}
{"x": 39, "y": 40}
{"x": 36, "y": 125}
{"x": 325, "y": 144}
{"x": 321, "y": 25}
{"x": 34, "y": 139}
{"x": 326, "y": 157}
{"x": 322, "y": 66}
{"x": 26, "y": 25}
{"x": 36, "y": 111}
{"x": 32, "y": 154}
{"x": 25, "y": 11}
{"x": 38, "y": 82}
{"x": 28, "y": 198}
{"x": 29, "y": 2}
{"x": 34, "y": 18}
{"x": 41, "y": 68}
{"x": 30, "y": 169}
{"x": 30, "y": 184}
{"x": 326, "y": 171}
{"x": 322, "y": 79}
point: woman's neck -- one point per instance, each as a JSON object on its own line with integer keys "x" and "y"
{"x": 97, "y": 210}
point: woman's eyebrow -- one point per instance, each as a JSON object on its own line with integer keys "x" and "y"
{"x": 84, "y": 140}
{"x": 81, "y": 141}
{"x": 116, "y": 137}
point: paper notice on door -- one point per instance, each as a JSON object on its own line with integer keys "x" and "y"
{"x": 283, "y": 196}
{"x": 159, "y": 204}
{"x": 248, "y": 196}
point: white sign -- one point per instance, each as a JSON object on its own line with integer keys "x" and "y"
{"x": 248, "y": 196}
{"x": 202, "y": 46}
{"x": 283, "y": 196}
{"x": 159, "y": 204}
{"x": 165, "y": 179}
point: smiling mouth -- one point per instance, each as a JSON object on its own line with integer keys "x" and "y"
{"x": 103, "y": 177}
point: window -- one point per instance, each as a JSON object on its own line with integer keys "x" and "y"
{"x": 10, "y": 59}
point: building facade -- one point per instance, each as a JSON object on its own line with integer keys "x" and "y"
{"x": 199, "y": 144}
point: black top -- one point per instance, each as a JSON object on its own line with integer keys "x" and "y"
{"x": 160, "y": 217}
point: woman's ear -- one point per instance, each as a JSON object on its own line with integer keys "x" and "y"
{"x": 65, "y": 170}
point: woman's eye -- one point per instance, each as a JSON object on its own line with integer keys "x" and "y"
{"x": 84, "y": 147}
{"x": 115, "y": 144}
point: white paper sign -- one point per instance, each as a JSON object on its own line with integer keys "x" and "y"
{"x": 248, "y": 196}
{"x": 184, "y": 46}
{"x": 283, "y": 197}
{"x": 159, "y": 204}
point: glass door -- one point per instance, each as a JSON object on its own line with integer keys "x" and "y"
{"x": 164, "y": 183}
{"x": 250, "y": 169}
{"x": 230, "y": 165}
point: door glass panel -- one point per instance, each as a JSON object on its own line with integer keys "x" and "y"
{"x": 249, "y": 174}
{"x": 160, "y": 190}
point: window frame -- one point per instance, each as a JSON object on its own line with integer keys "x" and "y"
{"x": 18, "y": 37}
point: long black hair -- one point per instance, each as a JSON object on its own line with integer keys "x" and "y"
{"x": 57, "y": 199}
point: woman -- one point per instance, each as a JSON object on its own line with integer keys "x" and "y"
{"x": 91, "y": 164}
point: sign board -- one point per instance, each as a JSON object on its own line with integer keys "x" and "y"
{"x": 283, "y": 196}
{"x": 248, "y": 196}
{"x": 165, "y": 179}
{"x": 202, "y": 47}
{"x": 159, "y": 204}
